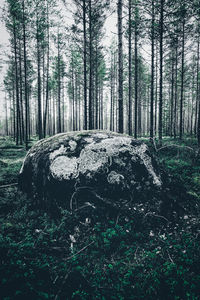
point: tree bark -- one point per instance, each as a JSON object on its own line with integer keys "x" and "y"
{"x": 176, "y": 91}
{"x": 161, "y": 73}
{"x": 39, "y": 81}
{"x": 85, "y": 64}
{"x": 120, "y": 70}
{"x": 25, "y": 79}
{"x": 172, "y": 96}
{"x": 198, "y": 95}
{"x": 16, "y": 85}
{"x": 91, "y": 125}
{"x": 136, "y": 72}
{"x": 182, "y": 81}
{"x": 152, "y": 72}
{"x": 47, "y": 77}
{"x": 130, "y": 131}
{"x": 59, "y": 87}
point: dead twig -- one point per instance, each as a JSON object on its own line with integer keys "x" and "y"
{"x": 170, "y": 257}
{"x": 175, "y": 146}
{"x": 154, "y": 215}
{"x": 79, "y": 251}
{"x": 8, "y": 185}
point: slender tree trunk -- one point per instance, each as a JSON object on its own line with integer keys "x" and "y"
{"x": 85, "y": 64}
{"x": 59, "y": 100}
{"x": 101, "y": 107}
{"x": 79, "y": 105}
{"x": 197, "y": 91}
{"x": 120, "y": 70}
{"x": 198, "y": 95}
{"x": 130, "y": 131}
{"x": 152, "y": 72}
{"x": 156, "y": 91}
{"x": 91, "y": 69}
{"x": 21, "y": 98}
{"x": 192, "y": 108}
{"x": 172, "y": 97}
{"x": 161, "y": 73}
{"x": 63, "y": 104}
{"x": 6, "y": 120}
{"x": 182, "y": 81}
{"x": 47, "y": 77}
{"x": 25, "y": 79}
{"x": 176, "y": 91}
{"x": 136, "y": 72}
{"x": 14, "y": 110}
{"x": 96, "y": 89}
{"x": 111, "y": 95}
{"x": 139, "y": 102}
{"x": 16, "y": 85}
{"x": 39, "y": 82}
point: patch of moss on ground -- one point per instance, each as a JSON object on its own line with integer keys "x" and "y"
{"x": 11, "y": 158}
{"x": 147, "y": 257}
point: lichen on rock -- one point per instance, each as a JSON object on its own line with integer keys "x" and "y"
{"x": 115, "y": 178}
{"x": 90, "y": 166}
{"x": 64, "y": 168}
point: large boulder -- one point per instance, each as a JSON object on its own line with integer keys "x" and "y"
{"x": 91, "y": 169}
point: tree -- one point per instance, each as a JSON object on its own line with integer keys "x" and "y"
{"x": 120, "y": 69}
{"x": 152, "y": 71}
{"x": 130, "y": 112}
{"x": 161, "y": 70}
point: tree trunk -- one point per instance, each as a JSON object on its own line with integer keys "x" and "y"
{"x": 96, "y": 89}
{"x": 136, "y": 72}
{"x": 85, "y": 64}
{"x": 21, "y": 97}
{"x": 152, "y": 72}
{"x": 91, "y": 125}
{"x": 47, "y": 77}
{"x": 25, "y": 79}
{"x": 59, "y": 89}
{"x": 130, "y": 132}
{"x": 39, "y": 82}
{"x": 161, "y": 73}
{"x": 16, "y": 85}
{"x": 156, "y": 91}
{"x": 176, "y": 91}
{"x": 120, "y": 70}
{"x": 198, "y": 96}
{"x": 172, "y": 97}
{"x": 182, "y": 81}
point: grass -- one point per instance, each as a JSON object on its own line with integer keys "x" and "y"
{"x": 144, "y": 258}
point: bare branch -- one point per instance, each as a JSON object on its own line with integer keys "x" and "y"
{"x": 8, "y": 185}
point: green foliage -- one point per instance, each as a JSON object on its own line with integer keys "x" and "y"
{"x": 140, "y": 258}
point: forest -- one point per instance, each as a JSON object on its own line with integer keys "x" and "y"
{"x": 62, "y": 77}
{"x": 111, "y": 67}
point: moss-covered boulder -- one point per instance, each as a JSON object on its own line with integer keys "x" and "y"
{"x": 91, "y": 170}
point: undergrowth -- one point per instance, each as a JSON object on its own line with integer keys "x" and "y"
{"x": 143, "y": 257}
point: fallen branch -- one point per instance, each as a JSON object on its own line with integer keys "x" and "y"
{"x": 170, "y": 257}
{"x": 79, "y": 251}
{"x": 8, "y": 185}
{"x": 154, "y": 215}
{"x": 175, "y": 146}
{"x": 168, "y": 146}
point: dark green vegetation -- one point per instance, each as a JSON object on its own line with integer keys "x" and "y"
{"x": 147, "y": 257}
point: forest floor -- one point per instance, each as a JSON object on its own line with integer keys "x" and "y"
{"x": 146, "y": 258}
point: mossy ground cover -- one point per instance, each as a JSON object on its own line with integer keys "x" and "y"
{"x": 146, "y": 257}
